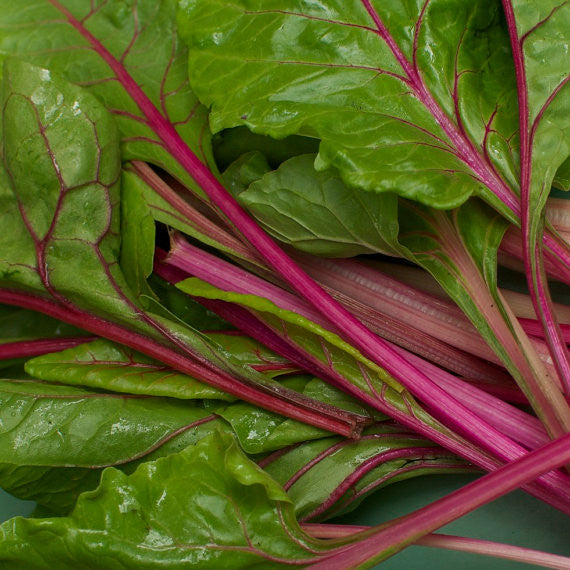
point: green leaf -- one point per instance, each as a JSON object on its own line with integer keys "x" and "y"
{"x": 60, "y": 144}
{"x": 108, "y": 366}
{"x": 542, "y": 32}
{"x": 246, "y": 169}
{"x": 141, "y": 37}
{"x": 332, "y": 476}
{"x": 393, "y": 114}
{"x": 55, "y": 440}
{"x": 260, "y": 431}
{"x": 52, "y": 425}
{"x": 317, "y": 213}
{"x": 185, "y": 308}
{"x": 207, "y": 506}
{"x": 74, "y": 231}
{"x": 230, "y": 144}
{"x": 18, "y": 324}
{"x": 137, "y": 238}
{"x": 562, "y": 179}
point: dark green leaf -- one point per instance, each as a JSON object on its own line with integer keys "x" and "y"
{"x": 207, "y": 506}
{"x": 230, "y": 144}
{"x": 243, "y": 171}
{"x": 18, "y": 324}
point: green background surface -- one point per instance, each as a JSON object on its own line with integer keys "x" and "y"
{"x": 515, "y": 519}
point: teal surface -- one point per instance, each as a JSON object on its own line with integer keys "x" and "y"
{"x": 515, "y": 519}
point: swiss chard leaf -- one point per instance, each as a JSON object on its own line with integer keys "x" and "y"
{"x": 206, "y": 506}
{"x": 93, "y": 44}
{"x": 53, "y": 425}
{"x": 392, "y": 113}
{"x": 70, "y": 242}
{"x": 459, "y": 249}
{"x": 246, "y": 169}
{"x": 317, "y": 213}
{"x": 108, "y": 366}
{"x": 538, "y": 41}
{"x": 332, "y": 475}
{"x": 137, "y": 238}
{"x": 330, "y": 354}
{"x": 55, "y": 440}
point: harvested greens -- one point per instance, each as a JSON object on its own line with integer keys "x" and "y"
{"x": 251, "y": 269}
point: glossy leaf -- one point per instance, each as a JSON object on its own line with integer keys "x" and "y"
{"x": 317, "y": 213}
{"x": 78, "y": 41}
{"x": 108, "y": 366}
{"x": 393, "y": 114}
{"x": 206, "y": 506}
{"x": 332, "y": 475}
{"x": 53, "y": 425}
{"x": 259, "y": 431}
{"x": 55, "y": 440}
{"x": 84, "y": 281}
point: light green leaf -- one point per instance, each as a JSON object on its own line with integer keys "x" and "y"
{"x": 332, "y": 476}
{"x": 317, "y": 213}
{"x": 108, "y": 366}
{"x": 393, "y": 114}
{"x": 140, "y": 36}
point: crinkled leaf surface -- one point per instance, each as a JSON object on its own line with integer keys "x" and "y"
{"x": 61, "y": 152}
{"x": 207, "y": 506}
{"x": 55, "y": 440}
{"x": 392, "y": 112}
{"x": 318, "y": 213}
{"x": 68, "y": 243}
{"x": 92, "y": 44}
{"x": 53, "y": 425}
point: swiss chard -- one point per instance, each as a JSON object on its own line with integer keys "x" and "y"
{"x": 104, "y": 142}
